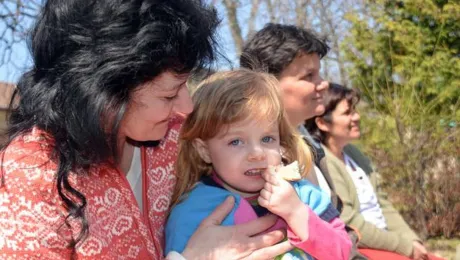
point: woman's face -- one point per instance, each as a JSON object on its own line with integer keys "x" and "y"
{"x": 345, "y": 123}
{"x": 303, "y": 88}
{"x": 153, "y": 104}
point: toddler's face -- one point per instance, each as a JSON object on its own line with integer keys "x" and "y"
{"x": 241, "y": 154}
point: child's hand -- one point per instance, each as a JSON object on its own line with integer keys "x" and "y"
{"x": 278, "y": 196}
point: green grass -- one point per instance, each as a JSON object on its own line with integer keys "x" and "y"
{"x": 444, "y": 247}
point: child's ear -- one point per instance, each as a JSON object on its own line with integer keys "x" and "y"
{"x": 202, "y": 149}
{"x": 322, "y": 125}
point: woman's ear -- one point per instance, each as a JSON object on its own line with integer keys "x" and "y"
{"x": 202, "y": 149}
{"x": 322, "y": 125}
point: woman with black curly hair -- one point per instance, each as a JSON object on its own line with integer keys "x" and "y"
{"x": 88, "y": 170}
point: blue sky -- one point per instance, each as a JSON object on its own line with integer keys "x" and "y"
{"x": 19, "y": 61}
{"x": 18, "y": 56}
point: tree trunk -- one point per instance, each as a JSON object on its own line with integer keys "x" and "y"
{"x": 328, "y": 21}
{"x": 234, "y": 25}
{"x": 253, "y": 16}
{"x": 301, "y": 13}
{"x": 271, "y": 12}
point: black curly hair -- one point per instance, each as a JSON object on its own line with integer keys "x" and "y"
{"x": 88, "y": 57}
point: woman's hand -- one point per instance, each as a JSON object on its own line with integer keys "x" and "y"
{"x": 213, "y": 241}
{"x": 420, "y": 252}
{"x": 278, "y": 196}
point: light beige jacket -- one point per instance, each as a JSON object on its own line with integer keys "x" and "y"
{"x": 398, "y": 237}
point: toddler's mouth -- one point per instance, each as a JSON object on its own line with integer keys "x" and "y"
{"x": 254, "y": 172}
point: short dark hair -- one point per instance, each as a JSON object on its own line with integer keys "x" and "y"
{"x": 333, "y": 96}
{"x": 274, "y": 47}
{"x": 89, "y": 56}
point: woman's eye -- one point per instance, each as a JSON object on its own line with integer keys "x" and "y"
{"x": 235, "y": 142}
{"x": 171, "y": 98}
{"x": 308, "y": 77}
{"x": 268, "y": 139}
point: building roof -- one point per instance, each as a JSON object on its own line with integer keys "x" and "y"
{"x": 6, "y": 91}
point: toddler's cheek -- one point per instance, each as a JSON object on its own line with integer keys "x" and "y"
{"x": 273, "y": 157}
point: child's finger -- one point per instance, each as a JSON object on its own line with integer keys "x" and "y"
{"x": 263, "y": 202}
{"x": 265, "y": 175}
{"x": 272, "y": 169}
{"x": 270, "y": 178}
{"x": 268, "y": 187}
{"x": 265, "y": 194}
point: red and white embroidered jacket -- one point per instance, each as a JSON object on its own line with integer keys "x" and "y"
{"x": 32, "y": 214}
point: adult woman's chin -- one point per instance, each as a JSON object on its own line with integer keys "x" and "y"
{"x": 158, "y": 132}
{"x": 355, "y": 132}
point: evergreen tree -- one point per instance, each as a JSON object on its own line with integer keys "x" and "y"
{"x": 404, "y": 56}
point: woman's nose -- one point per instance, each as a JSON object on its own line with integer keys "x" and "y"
{"x": 322, "y": 85}
{"x": 356, "y": 116}
{"x": 184, "y": 104}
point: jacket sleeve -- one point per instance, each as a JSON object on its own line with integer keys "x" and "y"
{"x": 327, "y": 237}
{"x": 395, "y": 222}
{"x": 371, "y": 236}
{"x": 325, "y": 240}
{"x": 30, "y": 227}
{"x": 186, "y": 216}
{"x": 31, "y": 218}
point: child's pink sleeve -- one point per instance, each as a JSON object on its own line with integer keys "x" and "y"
{"x": 325, "y": 240}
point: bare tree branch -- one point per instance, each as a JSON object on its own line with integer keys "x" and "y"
{"x": 302, "y": 13}
{"x": 253, "y": 16}
{"x": 231, "y": 7}
{"x": 271, "y": 11}
{"x": 15, "y": 19}
{"x": 330, "y": 26}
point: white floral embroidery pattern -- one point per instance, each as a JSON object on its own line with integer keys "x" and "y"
{"x": 32, "y": 216}
{"x": 162, "y": 179}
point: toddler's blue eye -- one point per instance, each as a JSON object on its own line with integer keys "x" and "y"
{"x": 267, "y": 139}
{"x": 235, "y": 142}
